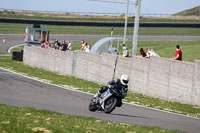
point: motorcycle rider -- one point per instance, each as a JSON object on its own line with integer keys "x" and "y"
{"x": 119, "y": 84}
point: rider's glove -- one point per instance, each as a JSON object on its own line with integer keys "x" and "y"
{"x": 110, "y": 86}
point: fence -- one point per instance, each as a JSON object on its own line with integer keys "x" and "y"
{"x": 97, "y": 24}
{"x": 157, "y": 77}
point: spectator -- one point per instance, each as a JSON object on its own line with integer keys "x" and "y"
{"x": 69, "y": 45}
{"x": 46, "y": 45}
{"x": 111, "y": 32}
{"x": 56, "y": 44}
{"x": 151, "y": 53}
{"x": 42, "y": 45}
{"x": 61, "y": 45}
{"x": 64, "y": 46}
{"x": 142, "y": 53}
{"x": 82, "y": 45}
{"x": 178, "y": 55}
{"x": 25, "y": 37}
{"x": 125, "y": 52}
{"x": 86, "y": 47}
{"x": 123, "y": 45}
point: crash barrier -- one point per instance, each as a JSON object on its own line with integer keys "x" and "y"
{"x": 18, "y": 56}
{"x": 158, "y": 77}
{"x": 105, "y": 24}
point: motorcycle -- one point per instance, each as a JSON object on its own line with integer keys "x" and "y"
{"x": 108, "y": 100}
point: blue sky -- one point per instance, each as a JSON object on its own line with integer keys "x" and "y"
{"x": 148, "y": 6}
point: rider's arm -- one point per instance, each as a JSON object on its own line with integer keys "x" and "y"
{"x": 111, "y": 82}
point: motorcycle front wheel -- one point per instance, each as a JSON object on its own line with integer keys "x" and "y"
{"x": 92, "y": 106}
{"x": 110, "y": 105}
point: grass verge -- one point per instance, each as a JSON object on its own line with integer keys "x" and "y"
{"x": 91, "y": 87}
{"x": 29, "y": 120}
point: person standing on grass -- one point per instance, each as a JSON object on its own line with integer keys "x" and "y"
{"x": 69, "y": 45}
{"x": 178, "y": 55}
{"x": 151, "y": 52}
{"x": 142, "y": 53}
{"x": 64, "y": 46}
{"x": 82, "y": 45}
{"x": 125, "y": 52}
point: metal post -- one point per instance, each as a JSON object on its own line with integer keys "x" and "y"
{"x": 118, "y": 47}
{"x": 136, "y": 27}
{"x": 115, "y": 67}
{"x": 126, "y": 21}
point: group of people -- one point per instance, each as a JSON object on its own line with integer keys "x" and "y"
{"x": 148, "y": 53}
{"x": 63, "y": 46}
{"x": 45, "y": 45}
{"x": 85, "y": 46}
{"x": 151, "y": 52}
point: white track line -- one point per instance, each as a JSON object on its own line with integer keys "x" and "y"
{"x": 93, "y": 94}
{"x": 14, "y": 47}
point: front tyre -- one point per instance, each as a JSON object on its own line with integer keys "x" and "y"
{"x": 110, "y": 105}
{"x": 92, "y": 106}
{"x": 119, "y": 104}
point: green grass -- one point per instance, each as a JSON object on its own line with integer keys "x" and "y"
{"x": 7, "y": 28}
{"x": 190, "y": 49}
{"x": 193, "y": 11}
{"x": 17, "y": 49}
{"x": 87, "y": 86}
{"x": 29, "y": 120}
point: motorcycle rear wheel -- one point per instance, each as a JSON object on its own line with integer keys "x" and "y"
{"x": 110, "y": 105}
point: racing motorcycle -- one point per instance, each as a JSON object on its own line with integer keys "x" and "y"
{"x": 108, "y": 100}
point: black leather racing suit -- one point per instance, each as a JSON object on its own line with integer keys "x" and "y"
{"x": 114, "y": 84}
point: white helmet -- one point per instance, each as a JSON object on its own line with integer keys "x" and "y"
{"x": 124, "y": 79}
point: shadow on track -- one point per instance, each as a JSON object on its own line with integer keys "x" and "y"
{"x": 126, "y": 115}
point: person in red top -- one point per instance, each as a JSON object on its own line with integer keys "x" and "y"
{"x": 178, "y": 55}
{"x": 142, "y": 53}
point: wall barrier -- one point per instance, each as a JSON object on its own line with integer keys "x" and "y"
{"x": 104, "y": 24}
{"x": 158, "y": 77}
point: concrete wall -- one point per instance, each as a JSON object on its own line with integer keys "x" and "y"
{"x": 181, "y": 81}
{"x": 158, "y": 77}
{"x": 95, "y": 67}
{"x": 52, "y": 60}
{"x": 139, "y": 75}
{"x": 196, "y": 84}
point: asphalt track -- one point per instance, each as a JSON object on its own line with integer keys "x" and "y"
{"x": 15, "y": 39}
{"x": 20, "y": 91}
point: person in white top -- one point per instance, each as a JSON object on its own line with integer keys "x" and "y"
{"x": 151, "y": 53}
{"x": 69, "y": 45}
{"x": 125, "y": 52}
{"x": 85, "y": 47}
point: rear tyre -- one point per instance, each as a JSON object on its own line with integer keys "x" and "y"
{"x": 110, "y": 105}
{"x": 92, "y": 106}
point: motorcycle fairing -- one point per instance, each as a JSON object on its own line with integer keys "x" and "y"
{"x": 104, "y": 97}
